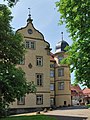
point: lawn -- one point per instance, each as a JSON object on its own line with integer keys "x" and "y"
{"x": 33, "y": 117}
{"x": 88, "y": 105}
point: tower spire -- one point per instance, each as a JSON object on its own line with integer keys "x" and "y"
{"x": 62, "y": 35}
{"x": 29, "y": 13}
{"x": 29, "y": 19}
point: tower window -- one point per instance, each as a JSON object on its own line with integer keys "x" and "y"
{"x": 59, "y": 59}
{"x": 51, "y": 73}
{"x": 52, "y": 65}
{"x": 52, "y": 86}
{"x": 61, "y": 85}
{"x": 60, "y": 72}
{"x": 51, "y": 101}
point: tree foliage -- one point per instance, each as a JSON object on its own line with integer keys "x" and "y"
{"x": 12, "y": 78}
{"x": 11, "y": 2}
{"x": 76, "y": 15}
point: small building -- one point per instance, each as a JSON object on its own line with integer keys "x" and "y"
{"x": 86, "y": 93}
{"x": 76, "y": 95}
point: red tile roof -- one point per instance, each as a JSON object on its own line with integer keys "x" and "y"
{"x": 52, "y": 57}
{"x": 86, "y": 91}
{"x": 76, "y": 89}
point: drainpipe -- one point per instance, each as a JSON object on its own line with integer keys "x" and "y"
{"x": 54, "y": 86}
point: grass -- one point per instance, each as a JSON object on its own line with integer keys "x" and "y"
{"x": 33, "y": 117}
{"x": 88, "y": 105}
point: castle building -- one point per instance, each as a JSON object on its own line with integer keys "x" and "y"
{"x": 52, "y": 79}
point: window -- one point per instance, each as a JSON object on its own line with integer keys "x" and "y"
{"x": 39, "y": 99}
{"x": 59, "y": 59}
{"x": 39, "y": 61}
{"x": 51, "y": 65}
{"x": 27, "y": 44}
{"x": 60, "y": 72}
{"x": 51, "y": 73}
{"x": 21, "y": 101}
{"x": 39, "y": 79}
{"x": 47, "y": 48}
{"x": 52, "y": 86}
{"x": 22, "y": 60}
{"x": 33, "y": 45}
{"x": 61, "y": 85}
{"x": 51, "y": 101}
{"x": 48, "y": 52}
{"x": 30, "y": 44}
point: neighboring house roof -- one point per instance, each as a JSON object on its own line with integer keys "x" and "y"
{"x": 86, "y": 91}
{"x": 76, "y": 89}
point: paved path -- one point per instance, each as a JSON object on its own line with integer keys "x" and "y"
{"x": 73, "y": 113}
{"x": 70, "y": 113}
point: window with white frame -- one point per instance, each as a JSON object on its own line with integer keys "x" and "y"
{"x": 51, "y": 73}
{"x": 61, "y": 85}
{"x": 21, "y": 101}
{"x": 60, "y": 72}
{"x": 39, "y": 60}
{"x": 27, "y": 44}
{"x": 30, "y": 44}
{"x": 39, "y": 79}
{"x": 39, "y": 99}
{"x": 52, "y": 86}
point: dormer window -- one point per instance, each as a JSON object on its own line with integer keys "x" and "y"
{"x": 29, "y": 44}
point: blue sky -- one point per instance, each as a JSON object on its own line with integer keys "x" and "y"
{"x": 45, "y": 19}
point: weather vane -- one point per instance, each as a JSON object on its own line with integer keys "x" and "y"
{"x": 62, "y": 35}
{"x": 29, "y": 13}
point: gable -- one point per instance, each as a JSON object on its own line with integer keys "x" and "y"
{"x": 30, "y": 32}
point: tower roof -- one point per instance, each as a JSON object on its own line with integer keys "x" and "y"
{"x": 60, "y": 46}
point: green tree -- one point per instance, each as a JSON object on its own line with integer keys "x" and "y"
{"x": 12, "y": 78}
{"x": 76, "y": 15}
{"x": 11, "y": 2}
